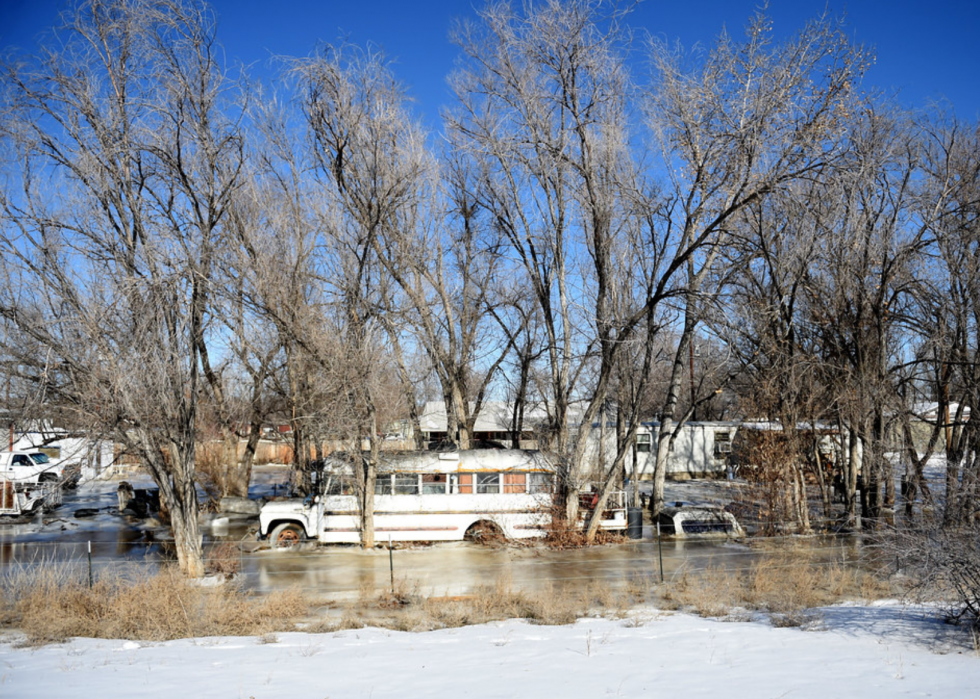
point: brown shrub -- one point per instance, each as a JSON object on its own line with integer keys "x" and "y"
{"x": 224, "y": 558}
{"x": 562, "y": 535}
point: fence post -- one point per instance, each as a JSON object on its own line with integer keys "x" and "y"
{"x": 90, "y": 565}
{"x": 660, "y": 551}
{"x": 391, "y": 565}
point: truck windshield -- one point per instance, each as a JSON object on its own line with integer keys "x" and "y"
{"x": 41, "y": 458}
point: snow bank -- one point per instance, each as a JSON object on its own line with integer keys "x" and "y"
{"x": 876, "y": 651}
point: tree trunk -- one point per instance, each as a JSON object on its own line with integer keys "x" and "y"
{"x": 822, "y": 482}
{"x": 853, "y": 467}
{"x": 174, "y": 473}
{"x": 802, "y": 505}
{"x": 660, "y": 466}
{"x": 248, "y": 457}
{"x": 370, "y": 477}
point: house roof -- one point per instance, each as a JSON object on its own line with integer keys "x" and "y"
{"x": 929, "y": 411}
{"x": 494, "y": 416}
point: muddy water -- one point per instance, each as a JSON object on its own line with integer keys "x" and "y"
{"x": 121, "y": 545}
{"x": 459, "y": 568}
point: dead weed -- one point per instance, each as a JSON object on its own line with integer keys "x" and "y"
{"x": 52, "y": 603}
{"x": 786, "y": 587}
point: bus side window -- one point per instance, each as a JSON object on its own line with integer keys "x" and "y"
{"x": 382, "y": 486}
{"x": 406, "y": 484}
{"x": 488, "y": 483}
{"x": 515, "y": 482}
{"x": 434, "y": 483}
{"x": 465, "y": 483}
{"x": 342, "y": 485}
{"x": 539, "y": 483}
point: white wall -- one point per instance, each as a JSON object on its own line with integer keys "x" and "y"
{"x": 693, "y": 455}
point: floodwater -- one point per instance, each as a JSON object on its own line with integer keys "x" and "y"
{"x": 113, "y": 544}
{"x": 459, "y": 568}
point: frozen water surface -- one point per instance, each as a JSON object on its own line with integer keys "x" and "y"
{"x": 125, "y": 544}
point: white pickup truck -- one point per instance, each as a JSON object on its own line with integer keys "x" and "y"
{"x": 30, "y": 467}
{"x": 30, "y": 482}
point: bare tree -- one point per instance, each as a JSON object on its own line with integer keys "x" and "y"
{"x": 109, "y": 254}
{"x": 543, "y": 108}
{"x": 860, "y": 291}
{"x": 373, "y": 172}
{"x": 948, "y": 308}
{"x": 444, "y": 262}
{"x": 775, "y": 252}
{"x": 748, "y": 120}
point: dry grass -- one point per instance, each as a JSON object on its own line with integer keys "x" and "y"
{"x": 406, "y": 609}
{"x": 50, "y": 603}
{"x": 54, "y": 602}
{"x": 786, "y": 586}
{"x": 548, "y": 605}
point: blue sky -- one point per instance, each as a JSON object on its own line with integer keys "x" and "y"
{"x": 925, "y": 50}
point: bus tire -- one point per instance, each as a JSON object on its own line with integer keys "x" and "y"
{"x": 286, "y": 536}
{"x": 484, "y": 532}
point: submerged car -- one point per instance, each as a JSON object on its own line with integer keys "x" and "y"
{"x": 684, "y": 520}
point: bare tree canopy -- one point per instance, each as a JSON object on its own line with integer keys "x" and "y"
{"x": 187, "y": 255}
{"x": 121, "y": 162}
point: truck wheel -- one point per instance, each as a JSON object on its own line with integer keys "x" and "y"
{"x": 285, "y": 536}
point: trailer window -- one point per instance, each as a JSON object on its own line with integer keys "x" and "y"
{"x": 434, "y": 483}
{"x": 515, "y": 482}
{"x": 488, "y": 483}
{"x": 406, "y": 484}
{"x": 643, "y": 442}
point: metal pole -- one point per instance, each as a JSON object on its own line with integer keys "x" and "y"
{"x": 660, "y": 551}
{"x": 90, "y": 565}
{"x": 391, "y": 565}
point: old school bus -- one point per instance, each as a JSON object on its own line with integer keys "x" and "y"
{"x": 431, "y": 496}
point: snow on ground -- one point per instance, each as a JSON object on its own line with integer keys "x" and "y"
{"x": 884, "y": 650}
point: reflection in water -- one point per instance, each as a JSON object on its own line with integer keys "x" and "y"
{"x": 462, "y": 568}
